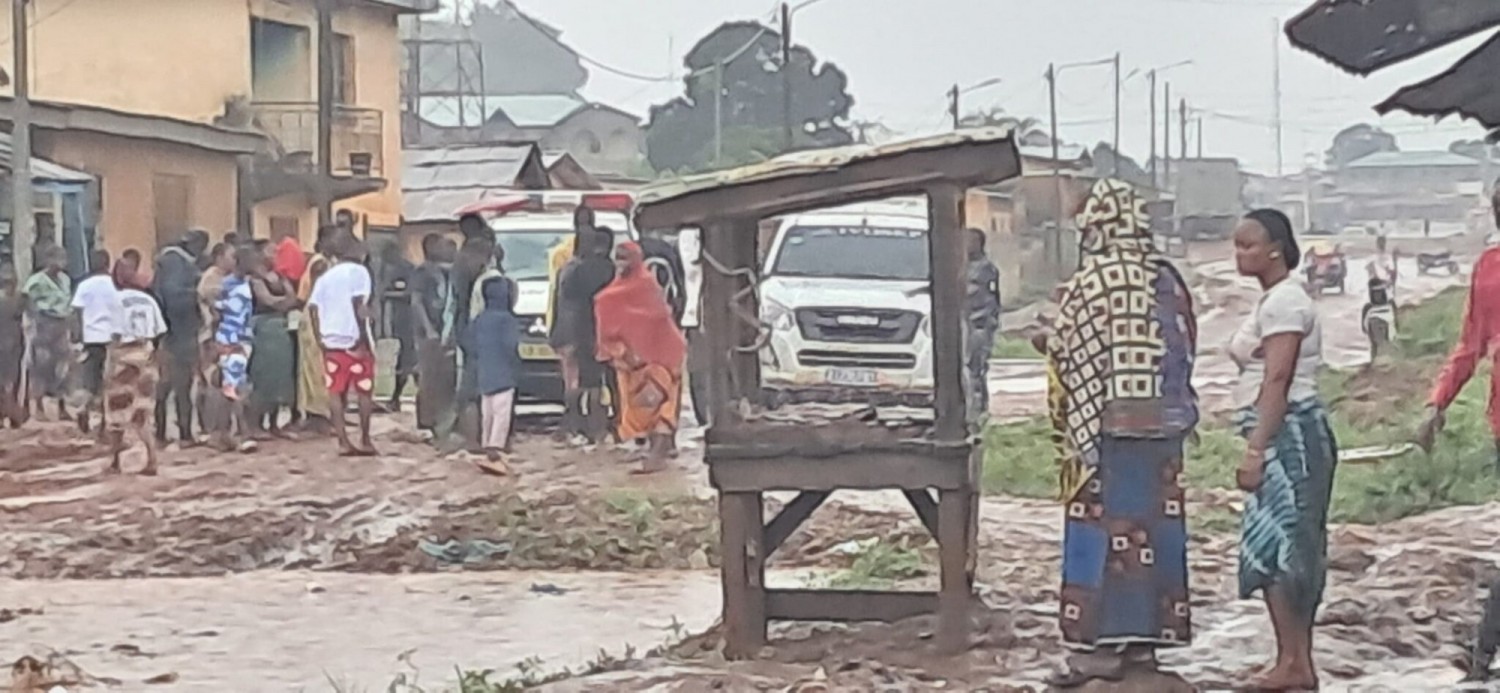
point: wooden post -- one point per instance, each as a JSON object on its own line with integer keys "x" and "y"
{"x": 947, "y": 244}
{"x": 956, "y": 513}
{"x": 744, "y": 573}
{"x": 718, "y": 325}
{"x": 327, "y": 49}
{"x": 746, "y": 369}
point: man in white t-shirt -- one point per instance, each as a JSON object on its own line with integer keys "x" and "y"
{"x": 100, "y": 314}
{"x": 340, "y": 310}
{"x": 130, "y": 402}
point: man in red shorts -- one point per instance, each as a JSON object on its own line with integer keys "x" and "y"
{"x": 340, "y": 310}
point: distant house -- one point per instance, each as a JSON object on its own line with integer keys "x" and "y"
{"x": 602, "y": 139}
{"x": 1407, "y": 188}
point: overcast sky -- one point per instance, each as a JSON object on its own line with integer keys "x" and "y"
{"x": 903, "y": 55}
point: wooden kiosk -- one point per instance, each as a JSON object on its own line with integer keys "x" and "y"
{"x": 749, "y": 454}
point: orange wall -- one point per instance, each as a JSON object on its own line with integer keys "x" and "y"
{"x": 125, "y": 168}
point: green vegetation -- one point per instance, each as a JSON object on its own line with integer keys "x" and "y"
{"x": 880, "y": 565}
{"x": 1014, "y": 347}
{"x": 1381, "y": 405}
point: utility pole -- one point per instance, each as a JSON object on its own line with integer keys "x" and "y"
{"x": 718, "y": 113}
{"x": 1276, "y": 90}
{"x": 1151, "y": 160}
{"x": 1182, "y": 128}
{"x": 1055, "y": 238}
{"x": 1200, "y": 136}
{"x": 22, "y": 219}
{"x": 953, "y": 106}
{"x": 1115, "y": 168}
{"x": 786, "y": 76}
{"x": 327, "y": 49}
{"x": 1166, "y": 135}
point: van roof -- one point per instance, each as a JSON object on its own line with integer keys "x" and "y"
{"x": 556, "y": 221}
{"x": 893, "y": 207}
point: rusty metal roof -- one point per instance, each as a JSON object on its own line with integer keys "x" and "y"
{"x": 821, "y": 169}
{"x": 1362, "y": 36}
{"x": 437, "y": 181}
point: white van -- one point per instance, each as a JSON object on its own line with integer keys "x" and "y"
{"x": 845, "y": 295}
{"x": 529, "y": 232}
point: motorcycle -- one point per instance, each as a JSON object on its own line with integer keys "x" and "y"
{"x": 1326, "y": 268}
{"x": 1379, "y": 316}
{"x": 1431, "y": 262}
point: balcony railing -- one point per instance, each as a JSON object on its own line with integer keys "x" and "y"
{"x": 358, "y": 136}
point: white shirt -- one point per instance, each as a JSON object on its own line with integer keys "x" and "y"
{"x": 98, "y": 304}
{"x": 1285, "y": 308}
{"x": 333, "y": 295}
{"x": 143, "y": 320}
{"x": 690, "y": 247}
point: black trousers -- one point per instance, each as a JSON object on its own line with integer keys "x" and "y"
{"x": 180, "y": 366}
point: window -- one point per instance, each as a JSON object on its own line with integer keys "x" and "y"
{"x": 281, "y": 65}
{"x": 282, "y": 227}
{"x": 343, "y": 70}
{"x": 172, "y": 206}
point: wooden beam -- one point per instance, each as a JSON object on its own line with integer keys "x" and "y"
{"x": 848, "y": 606}
{"x": 948, "y": 242}
{"x": 871, "y": 471}
{"x": 743, "y": 578}
{"x": 966, "y": 164}
{"x": 957, "y": 588}
{"x": 746, "y": 365}
{"x": 926, "y": 508}
{"x": 790, "y": 518}
{"x": 718, "y": 328}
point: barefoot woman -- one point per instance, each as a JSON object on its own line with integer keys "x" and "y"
{"x": 1290, "y": 455}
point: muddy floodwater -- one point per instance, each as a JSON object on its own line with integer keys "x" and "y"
{"x": 289, "y": 631}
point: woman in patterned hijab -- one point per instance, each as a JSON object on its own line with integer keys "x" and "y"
{"x": 1120, "y": 364}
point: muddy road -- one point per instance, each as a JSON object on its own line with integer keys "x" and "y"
{"x": 291, "y": 568}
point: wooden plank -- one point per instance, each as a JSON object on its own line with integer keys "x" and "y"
{"x": 967, "y": 164}
{"x": 947, "y": 243}
{"x": 745, "y": 373}
{"x": 871, "y": 472}
{"x": 790, "y": 518}
{"x": 743, "y": 574}
{"x": 957, "y": 587}
{"x": 718, "y": 325}
{"x": 848, "y": 606}
{"x": 927, "y": 508}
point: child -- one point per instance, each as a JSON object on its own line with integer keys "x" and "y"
{"x": 494, "y": 339}
{"x": 232, "y": 336}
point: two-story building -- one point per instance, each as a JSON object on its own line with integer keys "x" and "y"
{"x": 205, "y": 113}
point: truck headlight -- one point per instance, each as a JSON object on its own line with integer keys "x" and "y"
{"x": 779, "y": 317}
{"x": 927, "y": 326}
{"x": 538, "y": 327}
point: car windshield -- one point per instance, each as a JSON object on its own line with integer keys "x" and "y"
{"x": 854, "y": 252}
{"x": 526, "y": 252}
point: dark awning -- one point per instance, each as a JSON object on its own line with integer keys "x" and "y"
{"x": 1363, "y": 36}
{"x": 1467, "y": 89}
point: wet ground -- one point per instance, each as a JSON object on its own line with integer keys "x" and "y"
{"x": 291, "y": 569}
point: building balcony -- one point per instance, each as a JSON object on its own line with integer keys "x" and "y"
{"x": 357, "y": 163}
{"x": 358, "y": 136}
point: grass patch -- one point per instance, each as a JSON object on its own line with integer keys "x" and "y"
{"x": 621, "y": 529}
{"x": 1381, "y": 405}
{"x": 880, "y": 565}
{"x": 1014, "y": 347}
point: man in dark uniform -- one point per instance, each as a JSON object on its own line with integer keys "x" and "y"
{"x": 983, "y": 323}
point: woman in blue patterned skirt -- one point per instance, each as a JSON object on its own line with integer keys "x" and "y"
{"x": 1290, "y": 454}
{"x": 1120, "y": 365}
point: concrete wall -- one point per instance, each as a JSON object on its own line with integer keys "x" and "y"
{"x": 601, "y": 140}
{"x": 128, "y": 173}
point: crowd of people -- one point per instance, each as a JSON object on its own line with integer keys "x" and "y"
{"x": 246, "y": 340}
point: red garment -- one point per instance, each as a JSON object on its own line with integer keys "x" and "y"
{"x": 349, "y": 370}
{"x": 633, "y": 311}
{"x": 290, "y": 261}
{"x": 1481, "y": 331}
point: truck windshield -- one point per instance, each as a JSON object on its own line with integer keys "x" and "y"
{"x": 526, "y": 252}
{"x": 853, "y": 252}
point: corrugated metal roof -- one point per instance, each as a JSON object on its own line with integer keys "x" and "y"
{"x": 437, "y": 181}
{"x": 1363, "y": 36}
{"x": 41, "y": 169}
{"x": 1466, "y": 88}
{"x": 1413, "y": 160}
{"x": 812, "y": 161}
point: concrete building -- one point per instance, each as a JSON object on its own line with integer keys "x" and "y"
{"x": 205, "y": 113}
{"x": 602, "y": 139}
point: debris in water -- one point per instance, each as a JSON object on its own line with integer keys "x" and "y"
{"x": 169, "y": 677}
{"x": 548, "y": 588}
{"x": 464, "y": 552}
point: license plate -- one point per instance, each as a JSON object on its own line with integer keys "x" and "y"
{"x": 538, "y": 352}
{"x": 851, "y": 376}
